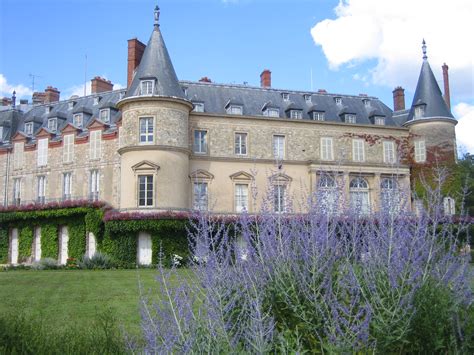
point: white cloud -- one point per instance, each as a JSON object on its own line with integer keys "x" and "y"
{"x": 391, "y": 31}
{"x": 465, "y": 127}
{"x": 7, "y": 89}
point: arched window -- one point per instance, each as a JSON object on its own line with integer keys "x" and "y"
{"x": 327, "y": 195}
{"x": 359, "y": 195}
{"x": 389, "y": 195}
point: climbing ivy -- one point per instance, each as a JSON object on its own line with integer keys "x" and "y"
{"x": 77, "y": 239}
{"x": 25, "y": 242}
{"x": 3, "y": 246}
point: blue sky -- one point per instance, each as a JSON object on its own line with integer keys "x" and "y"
{"x": 352, "y": 47}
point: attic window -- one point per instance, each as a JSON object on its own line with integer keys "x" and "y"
{"x": 419, "y": 111}
{"x": 185, "y": 90}
{"x": 104, "y": 115}
{"x": 77, "y": 120}
{"x": 29, "y": 128}
{"x": 96, "y": 100}
{"x": 366, "y": 102}
{"x": 296, "y": 114}
{"x": 121, "y": 95}
{"x": 53, "y": 124}
{"x": 350, "y": 118}
{"x": 285, "y": 96}
{"x": 307, "y": 97}
{"x": 71, "y": 104}
{"x": 198, "y": 106}
{"x": 147, "y": 87}
{"x": 234, "y": 110}
{"x": 379, "y": 120}
{"x": 338, "y": 100}
{"x": 1, "y": 133}
{"x": 271, "y": 112}
{"x": 49, "y": 109}
{"x": 318, "y": 116}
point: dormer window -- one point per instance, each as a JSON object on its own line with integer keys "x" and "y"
{"x": 29, "y": 128}
{"x": 104, "y": 115}
{"x": 419, "y": 111}
{"x": 96, "y": 100}
{"x": 53, "y": 124}
{"x": 185, "y": 90}
{"x": 147, "y": 87}
{"x": 49, "y": 109}
{"x": 307, "y": 97}
{"x": 77, "y": 120}
{"x": 271, "y": 112}
{"x": 338, "y": 100}
{"x": 379, "y": 120}
{"x": 318, "y": 116}
{"x": 285, "y": 96}
{"x": 296, "y": 114}
{"x": 198, "y": 106}
{"x": 71, "y": 104}
{"x": 350, "y": 118}
{"x": 234, "y": 110}
{"x": 1, "y": 133}
{"x": 366, "y": 102}
{"x": 121, "y": 95}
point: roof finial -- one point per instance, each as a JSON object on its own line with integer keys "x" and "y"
{"x": 157, "y": 16}
{"x": 14, "y": 99}
{"x": 423, "y": 47}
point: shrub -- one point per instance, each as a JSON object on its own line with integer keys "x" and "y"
{"x": 46, "y": 264}
{"x": 97, "y": 261}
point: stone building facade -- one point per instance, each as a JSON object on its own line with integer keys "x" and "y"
{"x": 165, "y": 144}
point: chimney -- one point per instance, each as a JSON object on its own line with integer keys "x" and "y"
{"x": 447, "y": 96}
{"x": 39, "y": 98}
{"x": 135, "y": 53}
{"x": 6, "y": 101}
{"x": 398, "y": 98}
{"x": 205, "y": 79}
{"x": 322, "y": 91}
{"x": 266, "y": 79}
{"x": 99, "y": 84}
{"x": 51, "y": 94}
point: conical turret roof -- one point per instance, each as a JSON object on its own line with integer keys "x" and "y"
{"x": 156, "y": 65}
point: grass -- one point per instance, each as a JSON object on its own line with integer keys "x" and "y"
{"x": 63, "y": 296}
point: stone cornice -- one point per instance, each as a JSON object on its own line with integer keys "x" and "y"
{"x": 138, "y": 148}
{"x": 430, "y": 119}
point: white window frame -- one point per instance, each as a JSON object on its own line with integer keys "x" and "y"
{"x": 366, "y": 102}
{"x": 198, "y": 106}
{"x": 307, "y": 98}
{"x": 419, "y": 111}
{"x": 279, "y": 198}
{"x": 359, "y": 196}
{"x": 338, "y": 100}
{"x": 68, "y": 148}
{"x": 241, "y": 197}
{"x": 95, "y": 142}
{"x": 53, "y": 124}
{"x": 29, "y": 128}
{"x": 358, "y": 150}
{"x": 349, "y": 118}
{"x": 240, "y": 143}
{"x": 147, "y": 87}
{"x": 94, "y": 184}
{"x": 200, "y": 144}
{"x": 327, "y": 148}
{"x": 272, "y": 112}
{"x": 389, "y": 152}
{"x": 78, "y": 119}
{"x": 18, "y": 148}
{"x": 379, "y": 121}
{"x": 296, "y": 114}
{"x": 279, "y": 146}
{"x": 148, "y": 192}
{"x": 235, "y": 110}
{"x": 104, "y": 115}
{"x": 420, "y": 151}
{"x": 16, "y": 191}
{"x": 67, "y": 186}
{"x": 390, "y": 195}
{"x": 200, "y": 195}
{"x": 285, "y": 96}
{"x": 328, "y": 194}
{"x": 318, "y": 116}
{"x": 41, "y": 188}
{"x": 42, "y": 152}
{"x": 146, "y": 130}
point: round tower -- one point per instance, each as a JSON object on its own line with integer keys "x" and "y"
{"x": 154, "y": 148}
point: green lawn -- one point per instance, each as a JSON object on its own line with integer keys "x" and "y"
{"x": 77, "y": 296}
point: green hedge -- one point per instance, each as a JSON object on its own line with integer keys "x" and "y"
{"x": 25, "y": 241}
{"x": 77, "y": 239}
{"x": 49, "y": 241}
{"x": 3, "y": 246}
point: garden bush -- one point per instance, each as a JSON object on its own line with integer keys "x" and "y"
{"x": 97, "y": 261}
{"x": 46, "y": 264}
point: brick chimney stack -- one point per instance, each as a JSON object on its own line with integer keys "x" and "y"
{"x": 51, "y": 94}
{"x": 205, "y": 79}
{"x": 398, "y": 98}
{"x": 447, "y": 95}
{"x": 99, "y": 84}
{"x": 266, "y": 79}
{"x": 39, "y": 98}
{"x": 135, "y": 53}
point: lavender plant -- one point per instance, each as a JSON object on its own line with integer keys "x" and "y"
{"x": 327, "y": 280}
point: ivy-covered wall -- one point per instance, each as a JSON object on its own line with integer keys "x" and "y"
{"x": 3, "y": 246}
{"x": 25, "y": 241}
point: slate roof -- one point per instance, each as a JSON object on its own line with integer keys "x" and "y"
{"x": 428, "y": 93}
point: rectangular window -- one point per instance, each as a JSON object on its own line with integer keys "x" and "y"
{"x": 240, "y": 144}
{"x": 147, "y": 87}
{"x": 338, "y": 100}
{"x": 105, "y": 115}
{"x": 200, "y": 196}
{"x": 1, "y": 133}
{"x": 68, "y": 148}
{"x": 95, "y": 144}
{"x": 198, "y": 107}
{"x": 326, "y": 149}
{"x": 94, "y": 183}
{"x": 296, "y": 114}
{"x": 67, "y": 186}
{"x": 52, "y": 124}
{"x": 358, "y": 153}
{"x": 145, "y": 190}
{"x": 350, "y": 119}
{"x": 16, "y": 191}
{"x": 379, "y": 121}
{"x": 279, "y": 147}
{"x": 279, "y": 198}
{"x": 241, "y": 197}
{"x": 41, "y": 189}
{"x": 146, "y": 130}
{"x": 318, "y": 116}
{"x": 200, "y": 141}
{"x": 29, "y": 128}
{"x": 307, "y": 98}
{"x": 18, "y": 155}
{"x": 388, "y": 152}
{"x": 234, "y": 110}
{"x": 272, "y": 112}
{"x": 78, "y": 120}
{"x": 42, "y": 152}
{"x": 419, "y": 111}
{"x": 285, "y": 96}
{"x": 420, "y": 151}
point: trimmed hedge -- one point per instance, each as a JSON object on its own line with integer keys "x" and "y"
{"x": 25, "y": 242}
{"x": 3, "y": 246}
{"x": 49, "y": 241}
